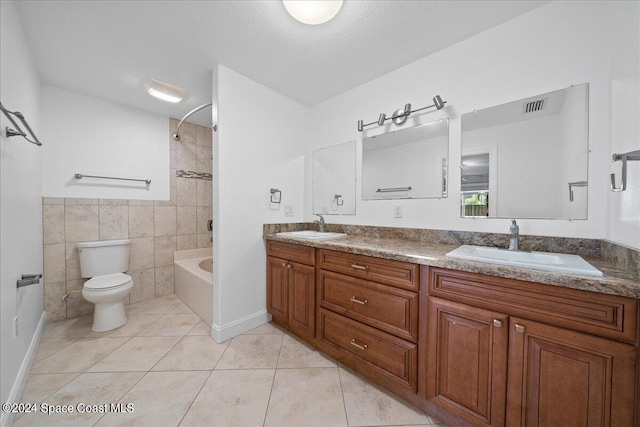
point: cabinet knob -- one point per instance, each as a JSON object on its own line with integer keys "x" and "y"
{"x": 355, "y": 344}
{"x": 288, "y": 265}
{"x": 497, "y": 323}
{"x": 284, "y": 264}
{"x": 357, "y": 301}
{"x": 360, "y": 267}
{"x": 519, "y": 329}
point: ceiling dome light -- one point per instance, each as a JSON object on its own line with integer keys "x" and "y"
{"x": 312, "y": 12}
{"x": 165, "y": 91}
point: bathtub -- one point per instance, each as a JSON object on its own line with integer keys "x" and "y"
{"x": 194, "y": 281}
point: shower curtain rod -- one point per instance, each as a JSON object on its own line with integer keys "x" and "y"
{"x": 176, "y": 135}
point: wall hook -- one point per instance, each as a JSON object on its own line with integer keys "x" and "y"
{"x": 630, "y": 156}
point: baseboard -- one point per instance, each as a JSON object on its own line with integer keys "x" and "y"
{"x": 233, "y": 329}
{"x": 6, "y": 419}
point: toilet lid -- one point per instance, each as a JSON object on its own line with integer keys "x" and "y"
{"x": 107, "y": 281}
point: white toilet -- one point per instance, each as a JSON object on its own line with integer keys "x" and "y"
{"x": 105, "y": 262}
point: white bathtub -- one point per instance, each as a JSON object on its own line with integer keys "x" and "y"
{"x": 194, "y": 281}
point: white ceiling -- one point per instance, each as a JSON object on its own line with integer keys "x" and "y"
{"x": 110, "y": 49}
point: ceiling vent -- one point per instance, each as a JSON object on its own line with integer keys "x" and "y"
{"x": 533, "y": 106}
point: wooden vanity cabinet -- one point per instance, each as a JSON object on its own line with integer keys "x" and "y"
{"x": 291, "y": 287}
{"x": 368, "y": 317}
{"x": 491, "y": 364}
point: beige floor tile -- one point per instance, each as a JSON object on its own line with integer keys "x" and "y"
{"x": 136, "y": 323}
{"x": 192, "y": 353}
{"x": 79, "y": 356}
{"x": 266, "y": 329}
{"x": 137, "y": 354}
{"x": 171, "y": 325}
{"x": 159, "y": 399}
{"x": 297, "y": 354}
{"x": 88, "y": 388}
{"x": 48, "y": 346}
{"x": 162, "y": 305}
{"x": 79, "y": 327}
{"x": 251, "y": 352}
{"x": 41, "y": 386}
{"x": 306, "y": 397}
{"x": 241, "y": 398}
{"x": 182, "y": 308}
{"x": 370, "y": 405}
{"x": 201, "y": 329}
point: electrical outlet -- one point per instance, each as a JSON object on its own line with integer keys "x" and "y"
{"x": 397, "y": 211}
{"x": 15, "y": 326}
{"x": 288, "y": 211}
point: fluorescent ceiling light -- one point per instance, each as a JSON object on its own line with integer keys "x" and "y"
{"x": 165, "y": 91}
{"x": 312, "y": 12}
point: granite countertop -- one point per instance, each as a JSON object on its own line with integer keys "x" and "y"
{"x": 613, "y": 281}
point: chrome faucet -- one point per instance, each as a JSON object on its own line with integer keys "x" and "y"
{"x": 320, "y": 223}
{"x": 514, "y": 236}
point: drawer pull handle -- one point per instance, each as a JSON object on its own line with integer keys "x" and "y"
{"x": 357, "y": 301}
{"x": 519, "y": 329}
{"x": 497, "y": 323}
{"x": 355, "y": 344}
{"x": 360, "y": 267}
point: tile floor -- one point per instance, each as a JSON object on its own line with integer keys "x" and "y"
{"x": 164, "y": 363}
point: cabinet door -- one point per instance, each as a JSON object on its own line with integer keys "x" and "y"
{"x": 467, "y": 361}
{"x": 558, "y": 377}
{"x": 302, "y": 300}
{"x": 278, "y": 290}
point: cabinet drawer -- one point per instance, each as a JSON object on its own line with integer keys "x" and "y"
{"x": 390, "y": 356}
{"x": 384, "y": 307}
{"x": 605, "y": 315}
{"x": 292, "y": 252}
{"x": 390, "y": 272}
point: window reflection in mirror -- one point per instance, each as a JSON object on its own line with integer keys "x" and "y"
{"x": 334, "y": 180}
{"x": 518, "y": 158}
{"x": 409, "y": 163}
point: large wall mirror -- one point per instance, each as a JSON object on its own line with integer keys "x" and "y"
{"x": 409, "y": 163}
{"x": 527, "y": 158}
{"x": 334, "y": 180}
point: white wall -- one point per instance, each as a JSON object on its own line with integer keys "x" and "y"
{"x": 92, "y": 136}
{"x": 624, "y": 225}
{"x": 20, "y": 201}
{"x": 549, "y": 48}
{"x": 260, "y": 144}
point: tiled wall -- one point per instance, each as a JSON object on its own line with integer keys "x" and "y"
{"x": 156, "y": 228}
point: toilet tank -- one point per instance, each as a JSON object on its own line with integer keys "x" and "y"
{"x": 105, "y": 257}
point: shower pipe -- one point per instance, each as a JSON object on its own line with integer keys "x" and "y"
{"x": 176, "y": 135}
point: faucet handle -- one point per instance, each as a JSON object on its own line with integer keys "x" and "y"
{"x": 321, "y": 217}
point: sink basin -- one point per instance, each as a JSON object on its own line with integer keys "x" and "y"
{"x": 539, "y": 260}
{"x": 311, "y": 235}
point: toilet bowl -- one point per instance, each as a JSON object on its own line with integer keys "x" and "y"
{"x": 104, "y": 262}
{"x": 107, "y": 293}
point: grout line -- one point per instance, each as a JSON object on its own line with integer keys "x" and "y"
{"x": 344, "y": 403}
{"x": 196, "y": 397}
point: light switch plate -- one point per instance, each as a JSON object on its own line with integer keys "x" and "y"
{"x": 397, "y": 211}
{"x": 288, "y": 211}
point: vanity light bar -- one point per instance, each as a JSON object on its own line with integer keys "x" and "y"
{"x": 400, "y": 115}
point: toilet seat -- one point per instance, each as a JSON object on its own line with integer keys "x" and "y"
{"x": 106, "y": 282}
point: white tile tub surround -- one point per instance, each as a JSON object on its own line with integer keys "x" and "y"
{"x": 157, "y": 229}
{"x": 193, "y": 285}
